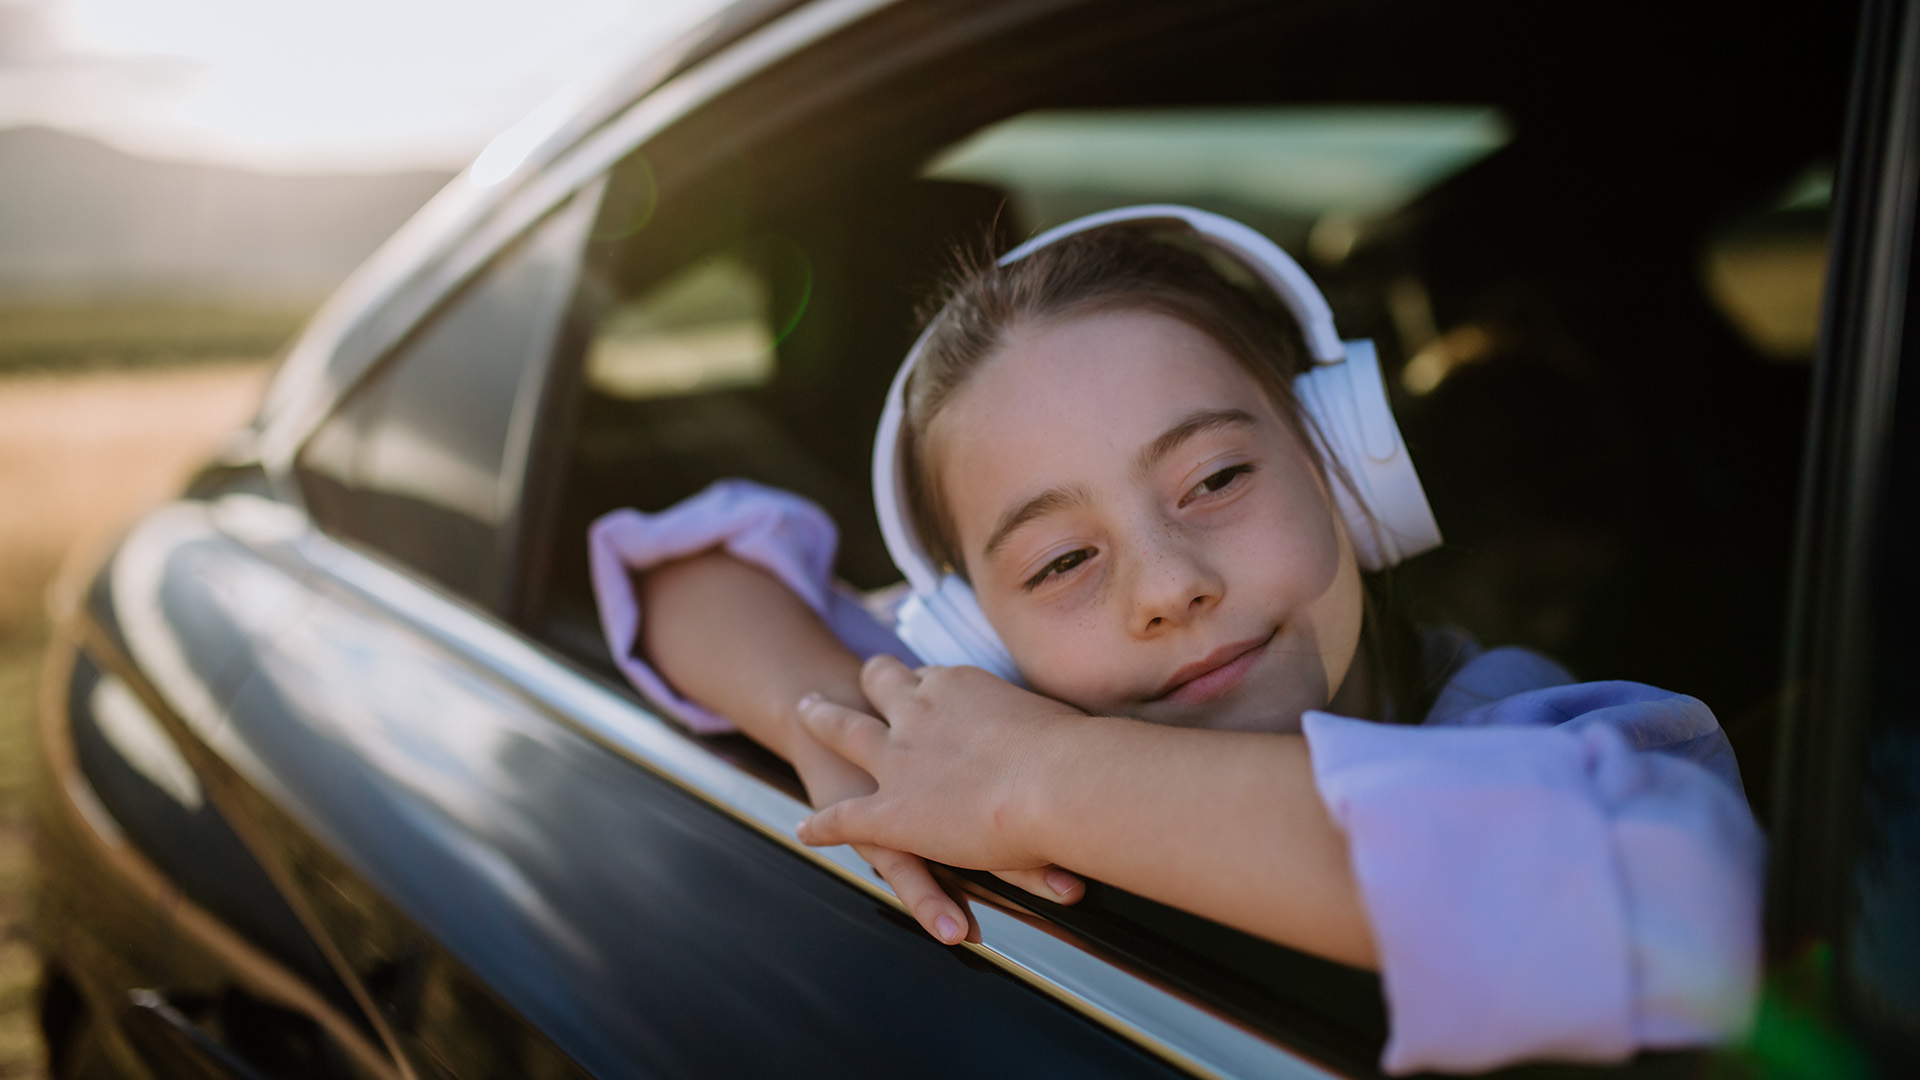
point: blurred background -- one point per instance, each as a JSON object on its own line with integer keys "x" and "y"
{"x": 181, "y": 183}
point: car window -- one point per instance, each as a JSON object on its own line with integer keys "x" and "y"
{"x": 1766, "y": 271}
{"x": 727, "y": 347}
{"x": 1554, "y": 282}
{"x": 709, "y": 327}
{"x": 423, "y": 461}
{"x": 1310, "y": 176}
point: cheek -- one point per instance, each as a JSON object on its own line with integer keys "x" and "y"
{"x": 1293, "y": 551}
{"x": 1342, "y": 611}
{"x": 1298, "y": 558}
{"x": 1067, "y": 652}
{"x": 1330, "y": 598}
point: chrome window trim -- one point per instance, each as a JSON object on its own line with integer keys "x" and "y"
{"x": 1046, "y": 958}
{"x": 383, "y": 314}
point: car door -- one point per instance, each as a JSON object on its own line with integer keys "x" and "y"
{"x": 172, "y": 948}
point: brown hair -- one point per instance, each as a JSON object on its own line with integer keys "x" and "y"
{"x": 1161, "y": 267}
{"x": 1149, "y": 266}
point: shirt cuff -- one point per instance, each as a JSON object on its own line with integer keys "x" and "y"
{"x": 780, "y": 532}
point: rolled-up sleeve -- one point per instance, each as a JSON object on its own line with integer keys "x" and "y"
{"x": 1547, "y": 883}
{"x": 780, "y": 532}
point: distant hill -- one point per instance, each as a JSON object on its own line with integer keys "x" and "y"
{"x": 81, "y": 220}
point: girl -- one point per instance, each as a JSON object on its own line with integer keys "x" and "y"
{"x": 1122, "y": 503}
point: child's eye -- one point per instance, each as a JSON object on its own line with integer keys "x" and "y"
{"x": 1216, "y": 482}
{"x": 1058, "y": 566}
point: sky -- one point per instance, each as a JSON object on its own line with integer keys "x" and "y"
{"x": 302, "y": 86}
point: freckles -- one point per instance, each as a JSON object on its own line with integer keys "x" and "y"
{"x": 1300, "y": 558}
{"x": 1070, "y": 654}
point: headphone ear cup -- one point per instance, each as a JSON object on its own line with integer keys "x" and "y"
{"x": 1374, "y": 484}
{"x": 947, "y": 628}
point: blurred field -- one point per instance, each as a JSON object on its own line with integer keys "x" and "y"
{"x": 82, "y": 453}
{"x": 75, "y": 335}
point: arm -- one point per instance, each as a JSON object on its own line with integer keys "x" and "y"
{"x": 1569, "y": 881}
{"x": 734, "y": 639}
{"x": 979, "y": 773}
{"x": 731, "y": 637}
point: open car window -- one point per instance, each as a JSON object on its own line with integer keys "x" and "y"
{"x": 1589, "y": 318}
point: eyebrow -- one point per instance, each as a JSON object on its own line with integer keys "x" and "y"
{"x": 1207, "y": 420}
{"x": 1040, "y": 505}
{"x": 1061, "y": 498}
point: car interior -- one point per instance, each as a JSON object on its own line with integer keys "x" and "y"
{"x": 1596, "y": 308}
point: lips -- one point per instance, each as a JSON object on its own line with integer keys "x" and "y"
{"x": 1214, "y": 674}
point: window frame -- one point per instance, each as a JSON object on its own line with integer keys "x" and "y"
{"x": 1831, "y": 712}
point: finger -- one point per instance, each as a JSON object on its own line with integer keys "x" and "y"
{"x": 836, "y": 824}
{"x": 936, "y": 912}
{"x": 888, "y": 683}
{"x": 1047, "y": 883}
{"x": 852, "y": 734}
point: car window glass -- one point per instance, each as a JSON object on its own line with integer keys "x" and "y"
{"x": 706, "y": 328}
{"x": 753, "y": 348}
{"x": 421, "y": 461}
{"x": 1283, "y": 169}
{"x": 1766, "y": 272}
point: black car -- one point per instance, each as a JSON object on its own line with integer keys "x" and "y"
{"x": 342, "y": 781}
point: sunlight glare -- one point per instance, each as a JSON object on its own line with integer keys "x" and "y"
{"x": 356, "y": 84}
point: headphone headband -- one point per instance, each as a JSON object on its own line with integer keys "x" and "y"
{"x": 1276, "y": 268}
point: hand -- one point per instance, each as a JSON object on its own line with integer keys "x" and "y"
{"x": 830, "y": 778}
{"x": 958, "y": 771}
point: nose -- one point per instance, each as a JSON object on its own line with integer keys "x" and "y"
{"x": 1173, "y": 584}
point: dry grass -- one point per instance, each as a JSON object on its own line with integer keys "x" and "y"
{"x": 80, "y": 456}
{"x": 19, "y": 968}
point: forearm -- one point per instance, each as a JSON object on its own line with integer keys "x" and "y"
{"x": 1223, "y": 824}
{"x": 732, "y": 638}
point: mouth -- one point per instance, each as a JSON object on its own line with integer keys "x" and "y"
{"x": 1214, "y": 674}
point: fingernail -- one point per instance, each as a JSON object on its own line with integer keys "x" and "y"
{"x": 809, "y": 700}
{"x": 946, "y": 929}
{"x": 1061, "y": 882}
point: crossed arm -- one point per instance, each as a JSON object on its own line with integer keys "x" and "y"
{"x": 731, "y": 637}
{"x": 978, "y": 773}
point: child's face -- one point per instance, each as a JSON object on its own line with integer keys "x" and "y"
{"x": 1146, "y": 532}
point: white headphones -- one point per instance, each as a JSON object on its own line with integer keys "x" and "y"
{"x": 1385, "y": 510}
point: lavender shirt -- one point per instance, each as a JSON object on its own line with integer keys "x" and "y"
{"x": 1552, "y": 869}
